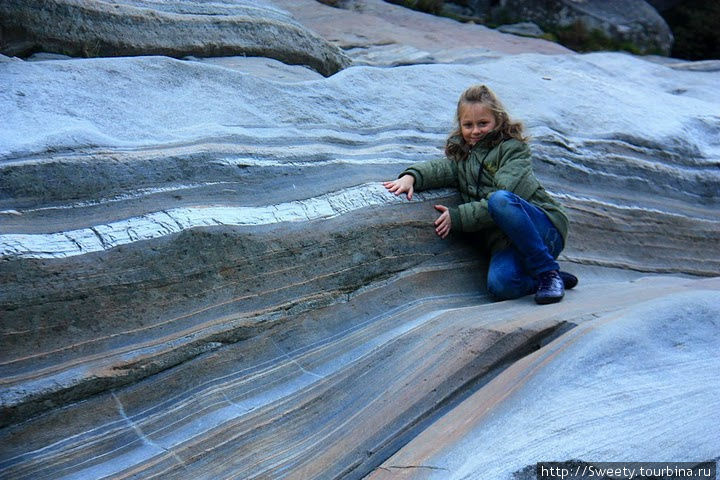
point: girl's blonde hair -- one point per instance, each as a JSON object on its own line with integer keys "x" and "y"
{"x": 505, "y": 128}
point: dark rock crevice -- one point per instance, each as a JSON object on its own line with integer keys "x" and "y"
{"x": 505, "y": 351}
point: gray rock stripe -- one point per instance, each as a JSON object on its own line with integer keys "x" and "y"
{"x": 118, "y": 198}
{"x": 244, "y": 139}
{"x": 166, "y": 222}
{"x": 396, "y": 146}
{"x": 589, "y": 200}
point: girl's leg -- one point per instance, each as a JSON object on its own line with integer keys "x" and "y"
{"x": 534, "y": 237}
{"x": 507, "y": 278}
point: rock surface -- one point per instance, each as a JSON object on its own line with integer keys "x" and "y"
{"x": 568, "y": 401}
{"x": 632, "y": 21}
{"x": 391, "y": 35}
{"x": 90, "y": 28}
{"x": 202, "y": 277}
{"x": 525, "y": 29}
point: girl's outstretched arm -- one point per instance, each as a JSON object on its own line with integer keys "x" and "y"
{"x": 401, "y": 185}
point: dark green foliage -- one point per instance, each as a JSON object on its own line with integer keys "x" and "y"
{"x": 428, "y": 6}
{"x": 696, "y": 27}
{"x": 501, "y": 16}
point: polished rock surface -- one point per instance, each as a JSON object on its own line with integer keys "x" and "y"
{"x": 89, "y": 28}
{"x": 375, "y": 32}
{"x": 636, "y": 384}
{"x": 202, "y": 276}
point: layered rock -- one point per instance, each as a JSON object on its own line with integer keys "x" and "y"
{"x": 202, "y": 276}
{"x": 589, "y": 148}
{"x": 91, "y": 28}
{"x": 315, "y": 397}
{"x": 634, "y": 21}
{"x": 610, "y": 388}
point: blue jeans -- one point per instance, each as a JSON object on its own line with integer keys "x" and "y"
{"x": 535, "y": 244}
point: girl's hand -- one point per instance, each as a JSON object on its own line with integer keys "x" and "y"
{"x": 443, "y": 222}
{"x": 401, "y": 185}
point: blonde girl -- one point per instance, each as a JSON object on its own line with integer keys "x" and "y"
{"x": 488, "y": 161}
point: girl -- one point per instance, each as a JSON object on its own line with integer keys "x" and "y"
{"x": 488, "y": 160}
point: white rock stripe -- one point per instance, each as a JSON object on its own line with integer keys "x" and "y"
{"x": 166, "y": 222}
{"x": 359, "y": 160}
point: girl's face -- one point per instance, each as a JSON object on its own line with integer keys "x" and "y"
{"x": 476, "y": 121}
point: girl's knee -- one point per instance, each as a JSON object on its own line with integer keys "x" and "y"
{"x": 504, "y": 287}
{"x": 499, "y": 201}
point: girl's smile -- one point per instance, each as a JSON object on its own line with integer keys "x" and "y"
{"x": 476, "y": 121}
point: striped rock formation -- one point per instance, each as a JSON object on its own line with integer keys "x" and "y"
{"x": 100, "y": 28}
{"x": 202, "y": 276}
{"x": 635, "y": 384}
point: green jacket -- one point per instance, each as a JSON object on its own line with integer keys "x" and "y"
{"x": 507, "y": 166}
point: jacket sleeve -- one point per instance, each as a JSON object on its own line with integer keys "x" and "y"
{"x": 437, "y": 173}
{"x": 514, "y": 174}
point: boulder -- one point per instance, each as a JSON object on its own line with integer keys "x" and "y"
{"x": 634, "y": 22}
{"x": 93, "y": 28}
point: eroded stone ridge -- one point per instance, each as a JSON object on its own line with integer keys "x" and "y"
{"x": 92, "y": 28}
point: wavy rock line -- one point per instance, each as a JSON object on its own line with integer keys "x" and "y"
{"x": 167, "y": 222}
{"x": 143, "y": 192}
{"x": 263, "y": 371}
{"x": 286, "y": 141}
{"x": 291, "y": 371}
{"x": 275, "y": 395}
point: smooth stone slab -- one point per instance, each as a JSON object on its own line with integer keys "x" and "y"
{"x": 315, "y": 397}
{"x": 144, "y": 27}
{"x": 639, "y": 384}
